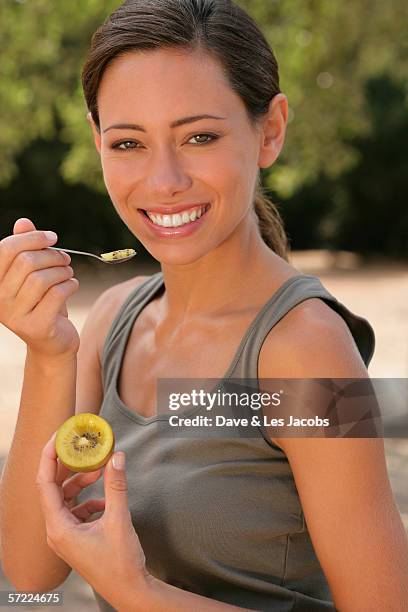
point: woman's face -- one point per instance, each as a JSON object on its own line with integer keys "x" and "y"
{"x": 156, "y": 166}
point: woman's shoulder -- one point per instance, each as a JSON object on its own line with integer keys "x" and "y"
{"x": 107, "y": 305}
{"x": 311, "y": 340}
{"x": 118, "y": 293}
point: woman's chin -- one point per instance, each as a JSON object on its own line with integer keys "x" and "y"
{"x": 171, "y": 255}
{"x": 174, "y": 260}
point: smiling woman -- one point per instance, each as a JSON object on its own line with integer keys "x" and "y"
{"x": 185, "y": 109}
{"x": 225, "y": 81}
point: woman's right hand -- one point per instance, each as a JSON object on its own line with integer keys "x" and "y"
{"x": 35, "y": 283}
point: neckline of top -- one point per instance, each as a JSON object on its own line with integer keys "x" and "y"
{"x": 155, "y": 288}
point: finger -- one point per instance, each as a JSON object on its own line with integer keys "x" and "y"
{"x": 74, "y": 485}
{"x": 63, "y": 310}
{"x": 52, "y": 499}
{"x": 62, "y": 473}
{"x": 115, "y": 485}
{"x": 88, "y": 508}
{"x": 11, "y": 246}
{"x": 38, "y": 283}
{"x": 23, "y": 225}
{"x": 27, "y": 265}
{"x": 54, "y": 299}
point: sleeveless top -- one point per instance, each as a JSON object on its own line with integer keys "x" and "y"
{"x": 220, "y": 517}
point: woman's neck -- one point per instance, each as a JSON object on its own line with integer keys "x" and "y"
{"x": 221, "y": 279}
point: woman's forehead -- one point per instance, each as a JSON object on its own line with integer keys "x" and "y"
{"x": 156, "y": 82}
{"x": 143, "y": 69}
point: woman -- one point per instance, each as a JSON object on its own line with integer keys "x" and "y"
{"x": 185, "y": 108}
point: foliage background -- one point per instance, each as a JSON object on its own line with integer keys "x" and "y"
{"x": 341, "y": 181}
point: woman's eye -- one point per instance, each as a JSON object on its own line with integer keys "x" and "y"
{"x": 126, "y": 145}
{"x": 119, "y": 146}
{"x": 212, "y": 136}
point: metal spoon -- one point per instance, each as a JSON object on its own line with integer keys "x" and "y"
{"x": 107, "y": 261}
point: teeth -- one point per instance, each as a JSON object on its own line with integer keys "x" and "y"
{"x": 156, "y": 219}
{"x": 177, "y": 220}
{"x": 187, "y": 216}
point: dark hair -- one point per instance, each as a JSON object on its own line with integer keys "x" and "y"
{"x": 220, "y": 28}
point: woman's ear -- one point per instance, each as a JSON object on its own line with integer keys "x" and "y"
{"x": 95, "y": 132}
{"x": 273, "y": 131}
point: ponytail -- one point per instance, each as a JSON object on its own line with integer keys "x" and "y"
{"x": 270, "y": 224}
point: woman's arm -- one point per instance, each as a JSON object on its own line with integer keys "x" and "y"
{"x": 347, "y": 500}
{"x": 353, "y": 520}
{"x": 158, "y": 596}
{"x": 49, "y": 394}
{"x": 47, "y": 399}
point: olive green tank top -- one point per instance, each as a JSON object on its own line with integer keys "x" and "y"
{"x": 220, "y": 517}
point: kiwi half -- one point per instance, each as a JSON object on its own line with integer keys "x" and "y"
{"x": 84, "y": 442}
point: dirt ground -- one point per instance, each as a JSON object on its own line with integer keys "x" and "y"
{"x": 379, "y": 292}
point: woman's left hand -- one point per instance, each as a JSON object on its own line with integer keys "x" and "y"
{"x": 105, "y": 552}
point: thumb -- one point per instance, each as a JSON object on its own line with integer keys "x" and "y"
{"x": 23, "y": 225}
{"x": 116, "y": 490}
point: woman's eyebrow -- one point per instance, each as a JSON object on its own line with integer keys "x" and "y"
{"x": 182, "y": 121}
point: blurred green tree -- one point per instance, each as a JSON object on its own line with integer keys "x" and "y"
{"x": 327, "y": 52}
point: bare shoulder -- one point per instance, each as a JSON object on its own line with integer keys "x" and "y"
{"x": 312, "y": 340}
{"x": 107, "y": 305}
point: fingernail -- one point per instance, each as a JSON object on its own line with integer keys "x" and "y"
{"x": 119, "y": 460}
{"x": 50, "y": 235}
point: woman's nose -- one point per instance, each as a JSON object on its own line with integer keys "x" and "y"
{"x": 166, "y": 175}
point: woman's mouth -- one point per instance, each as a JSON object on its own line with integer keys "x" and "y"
{"x": 176, "y": 224}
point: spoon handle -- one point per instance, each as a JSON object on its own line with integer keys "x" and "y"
{"x": 75, "y": 252}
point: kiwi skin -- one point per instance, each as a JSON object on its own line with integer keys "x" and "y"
{"x": 80, "y": 419}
